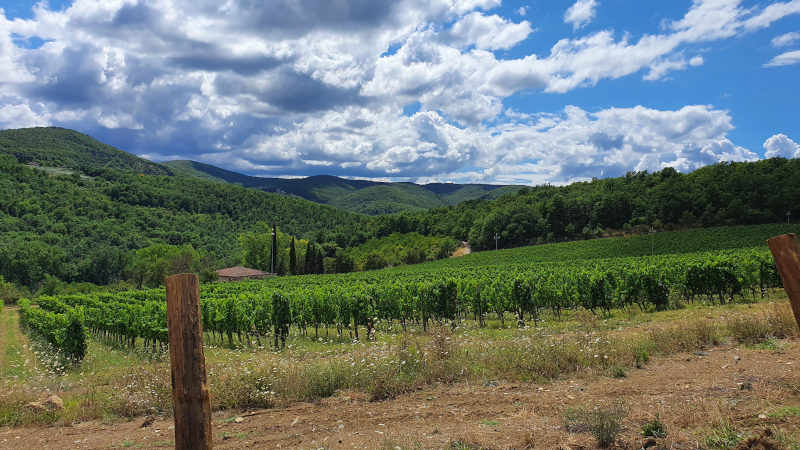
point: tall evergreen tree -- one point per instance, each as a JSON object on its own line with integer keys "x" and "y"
{"x": 320, "y": 260}
{"x": 292, "y": 259}
{"x": 309, "y": 265}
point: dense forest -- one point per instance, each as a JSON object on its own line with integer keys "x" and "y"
{"x": 85, "y": 212}
{"x": 83, "y": 227}
{"x": 721, "y": 194}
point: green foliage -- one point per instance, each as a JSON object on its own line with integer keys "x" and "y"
{"x": 362, "y": 196}
{"x": 605, "y": 423}
{"x": 87, "y": 228}
{"x": 75, "y": 336}
{"x": 721, "y": 194}
{"x": 398, "y": 249}
{"x": 375, "y": 261}
{"x": 156, "y": 262}
{"x": 74, "y": 150}
{"x": 10, "y": 292}
{"x": 256, "y": 246}
{"x": 292, "y": 259}
{"x": 654, "y": 428}
{"x": 282, "y": 318}
{"x": 617, "y": 371}
{"x": 723, "y": 435}
{"x": 61, "y": 325}
{"x": 344, "y": 263}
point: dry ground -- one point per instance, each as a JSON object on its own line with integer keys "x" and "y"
{"x": 692, "y": 393}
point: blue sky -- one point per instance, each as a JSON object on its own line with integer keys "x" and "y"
{"x": 491, "y": 91}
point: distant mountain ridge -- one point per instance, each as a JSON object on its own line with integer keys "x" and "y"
{"x": 364, "y": 196}
{"x": 61, "y": 147}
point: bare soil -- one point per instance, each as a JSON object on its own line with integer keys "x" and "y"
{"x": 754, "y": 389}
{"x": 463, "y": 250}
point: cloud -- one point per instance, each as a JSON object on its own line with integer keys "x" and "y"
{"x": 488, "y": 32}
{"x": 784, "y": 59}
{"x": 312, "y": 86}
{"x": 660, "y": 69}
{"x": 785, "y": 39}
{"x": 781, "y": 145}
{"x": 20, "y": 115}
{"x": 556, "y": 148}
{"x": 581, "y": 13}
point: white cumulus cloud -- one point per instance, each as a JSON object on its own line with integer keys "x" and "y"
{"x": 781, "y": 145}
{"x": 581, "y": 13}
{"x": 296, "y": 84}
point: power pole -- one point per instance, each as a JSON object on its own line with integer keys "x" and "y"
{"x": 273, "y": 260}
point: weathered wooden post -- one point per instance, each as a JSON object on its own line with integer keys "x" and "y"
{"x": 191, "y": 401}
{"x": 786, "y": 252}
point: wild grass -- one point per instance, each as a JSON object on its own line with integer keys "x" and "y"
{"x": 115, "y": 383}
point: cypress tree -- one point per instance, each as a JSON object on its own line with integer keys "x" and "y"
{"x": 308, "y": 267}
{"x": 292, "y": 259}
{"x": 320, "y": 260}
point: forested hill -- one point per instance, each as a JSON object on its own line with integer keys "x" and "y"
{"x": 60, "y": 149}
{"x": 364, "y": 196}
{"x": 738, "y": 193}
{"x": 84, "y": 228}
{"x": 63, "y": 148}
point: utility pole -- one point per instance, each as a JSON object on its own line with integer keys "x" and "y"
{"x": 652, "y": 230}
{"x": 274, "y": 256}
{"x": 496, "y": 238}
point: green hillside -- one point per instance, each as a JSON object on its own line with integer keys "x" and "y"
{"x": 728, "y": 193}
{"x": 60, "y": 147}
{"x": 388, "y": 199}
{"x": 362, "y": 196}
{"x": 81, "y": 228}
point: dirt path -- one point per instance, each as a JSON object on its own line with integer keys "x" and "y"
{"x": 463, "y": 250}
{"x": 16, "y": 358}
{"x": 690, "y": 392}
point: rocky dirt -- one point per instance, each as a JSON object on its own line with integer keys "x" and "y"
{"x": 754, "y": 389}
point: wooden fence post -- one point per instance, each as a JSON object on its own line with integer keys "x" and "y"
{"x": 191, "y": 401}
{"x": 786, "y": 252}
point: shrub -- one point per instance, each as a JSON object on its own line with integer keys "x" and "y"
{"x": 618, "y": 371}
{"x": 748, "y": 330}
{"x": 654, "y": 428}
{"x": 605, "y": 423}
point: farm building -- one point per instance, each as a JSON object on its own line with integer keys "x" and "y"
{"x": 241, "y": 273}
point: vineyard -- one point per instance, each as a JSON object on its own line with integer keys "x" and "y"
{"x": 469, "y": 345}
{"x": 525, "y": 286}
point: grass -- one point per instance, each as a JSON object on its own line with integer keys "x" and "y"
{"x": 654, "y": 428}
{"x": 114, "y": 383}
{"x": 723, "y": 435}
{"x": 786, "y": 411}
{"x": 604, "y": 422}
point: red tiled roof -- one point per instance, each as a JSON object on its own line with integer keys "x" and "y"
{"x": 238, "y": 272}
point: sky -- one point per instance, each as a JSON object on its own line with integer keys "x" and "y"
{"x": 489, "y": 91}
